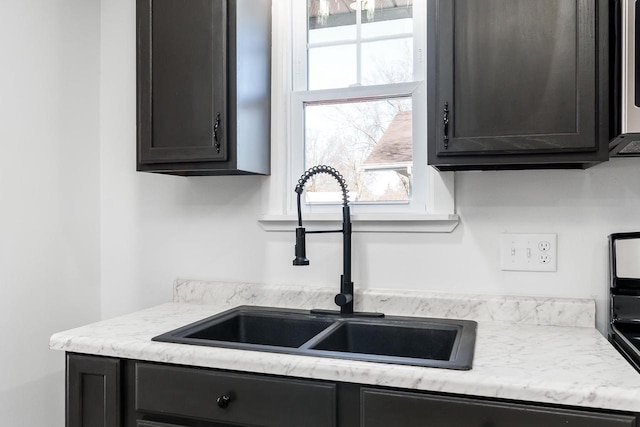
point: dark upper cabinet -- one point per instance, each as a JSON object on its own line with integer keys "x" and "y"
{"x": 203, "y": 76}
{"x": 516, "y": 84}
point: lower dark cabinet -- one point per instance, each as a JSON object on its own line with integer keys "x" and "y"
{"x": 93, "y": 391}
{"x": 110, "y": 392}
{"x": 382, "y": 408}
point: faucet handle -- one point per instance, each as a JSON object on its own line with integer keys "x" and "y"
{"x": 301, "y": 255}
{"x": 343, "y": 299}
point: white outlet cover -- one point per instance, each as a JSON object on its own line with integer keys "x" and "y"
{"x": 528, "y": 252}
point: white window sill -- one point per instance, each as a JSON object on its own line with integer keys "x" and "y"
{"x": 382, "y": 223}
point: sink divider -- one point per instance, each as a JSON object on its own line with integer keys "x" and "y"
{"x": 321, "y": 335}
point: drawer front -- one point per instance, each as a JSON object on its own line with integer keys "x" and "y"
{"x": 389, "y": 408}
{"x": 250, "y": 399}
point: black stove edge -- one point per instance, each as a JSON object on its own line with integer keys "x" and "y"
{"x": 621, "y": 343}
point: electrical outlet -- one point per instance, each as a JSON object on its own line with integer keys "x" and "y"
{"x": 528, "y": 252}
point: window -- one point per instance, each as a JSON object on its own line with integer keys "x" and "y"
{"x": 349, "y": 91}
{"x": 356, "y": 90}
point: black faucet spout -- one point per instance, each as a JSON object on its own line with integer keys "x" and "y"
{"x": 345, "y": 299}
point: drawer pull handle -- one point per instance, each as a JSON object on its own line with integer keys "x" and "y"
{"x": 223, "y": 401}
{"x": 216, "y": 141}
{"x": 445, "y": 125}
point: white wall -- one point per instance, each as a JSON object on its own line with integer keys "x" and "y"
{"x": 156, "y": 228}
{"x": 49, "y": 249}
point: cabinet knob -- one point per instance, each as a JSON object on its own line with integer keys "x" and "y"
{"x": 223, "y": 401}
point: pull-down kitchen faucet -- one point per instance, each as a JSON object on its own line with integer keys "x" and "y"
{"x": 345, "y": 298}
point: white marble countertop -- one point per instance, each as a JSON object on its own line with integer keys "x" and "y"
{"x": 529, "y": 353}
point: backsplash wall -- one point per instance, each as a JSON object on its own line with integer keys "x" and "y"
{"x": 156, "y": 228}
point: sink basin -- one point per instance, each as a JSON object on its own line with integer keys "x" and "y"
{"x": 439, "y": 343}
{"x": 419, "y": 341}
{"x": 251, "y": 326}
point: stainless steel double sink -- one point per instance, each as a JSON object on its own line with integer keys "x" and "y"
{"x": 438, "y": 343}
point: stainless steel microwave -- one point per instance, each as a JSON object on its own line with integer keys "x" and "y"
{"x": 626, "y": 69}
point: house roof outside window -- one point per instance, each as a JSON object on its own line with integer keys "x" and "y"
{"x": 394, "y": 150}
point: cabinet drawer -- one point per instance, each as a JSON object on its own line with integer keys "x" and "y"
{"x": 252, "y": 399}
{"x": 390, "y": 408}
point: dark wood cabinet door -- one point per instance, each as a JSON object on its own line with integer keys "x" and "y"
{"x": 182, "y": 80}
{"x": 382, "y": 408}
{"x": 93, "y": 391}
{"x": 512, "y": 78}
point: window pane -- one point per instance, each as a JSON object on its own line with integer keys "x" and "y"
{"x": 324, "y": 71}
{"x": 386, "y": 17}
{"x": 330, "y": 21}
{"x": 368, "y": 41}
{"x": 369, "y": 142}
{"x": 388, "y": 61}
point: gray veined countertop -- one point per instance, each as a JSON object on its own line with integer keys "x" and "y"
{"x": 531, "y": 349}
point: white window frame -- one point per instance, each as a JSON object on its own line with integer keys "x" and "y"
{"x": 432, "y": 206}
